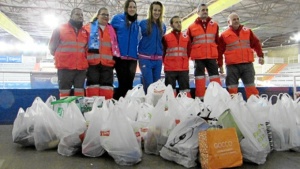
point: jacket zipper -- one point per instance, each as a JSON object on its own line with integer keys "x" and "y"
{"x": 129, "y": 39}
{"x": 156, "y": 39}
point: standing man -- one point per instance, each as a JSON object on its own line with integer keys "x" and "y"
{"x": 204, "y": 35}
{"x": 176, "y": 58}
{"x": 237, "y": 44}
{"x": 68, "y": 46}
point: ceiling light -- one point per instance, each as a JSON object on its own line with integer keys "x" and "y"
{"x": 51, "y": 21}
{"x": 296, "y": 37}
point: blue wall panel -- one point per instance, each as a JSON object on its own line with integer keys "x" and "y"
{"x": 12, "y": 99}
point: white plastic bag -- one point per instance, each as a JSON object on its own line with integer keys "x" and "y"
{"x": 129, "y": 107}
{"x": 259, "y": 108}
{"x": 144, "y": 117}
{"x": 49, "y": 100}
{"x": 182, "y": 145}
{"x": 145, "y": 112}
{"x": 118, "y": 139}
{"x": 162, "y": 123}
{"x": 87, "y": 106}
{"x": 184, "y": 100}
{"x": 136, "y": 93}
{"x": 279, "y": 124}
{"x": 46, "y": 126}
{"x": 255, "y": 144}
{"x": 91, "y": 145}
{"x": 73, "y": 125}
{"x": 20, "y": 133}
{"x": 155, "y": 91}
{"x": 217, "y": 98}
{"x": 296, "y": 104}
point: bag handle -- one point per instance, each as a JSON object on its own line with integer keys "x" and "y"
{"x": 181, "y": 95}
{"x": 270, "y": 100}
{"x": 66, "y": 100}
{"x": 264, "y": 96}
{"x": 98, "y": 102}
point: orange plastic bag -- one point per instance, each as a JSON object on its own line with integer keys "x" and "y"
{"x": 219, "y": 148}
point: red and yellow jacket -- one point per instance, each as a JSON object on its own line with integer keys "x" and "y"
{"x": 176, "y": 46}
{"x": 237, "y": 46}
{"x": 105, "y": 55}
{"x": 71, "y": 50}
{"x": 204, "y": 45}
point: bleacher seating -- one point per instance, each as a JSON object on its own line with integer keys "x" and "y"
{"x": 288, "y": 81}
{"x": 7, "y": 72}
{"x": 17, "y": 67}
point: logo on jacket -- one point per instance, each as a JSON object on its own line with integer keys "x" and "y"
{"x": 184, "y": 34}
{"x": 244, "y": 28}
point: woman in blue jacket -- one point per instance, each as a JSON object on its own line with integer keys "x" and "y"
{"x": 150, "y": 46}
{"x": 127, "y": 29}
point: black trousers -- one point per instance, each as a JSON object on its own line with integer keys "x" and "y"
{"x": 245, "y": 71}
{"x": 68, "y": 78}
{"x": 181, "y": 76}
{"x": 100, "y": 75}
{"x": 210, "y": 65}
{"x": 125, "y": 70}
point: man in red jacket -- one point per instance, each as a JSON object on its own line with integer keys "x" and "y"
{"x": 237, "y": 44}
{"x": 68, "y": 46}
{"x": 204, "y": 34}
{"x": 176, "y": 58}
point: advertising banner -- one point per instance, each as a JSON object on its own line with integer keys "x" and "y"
{"x": 10, "y": 59}
{"x": 43, "y": 80}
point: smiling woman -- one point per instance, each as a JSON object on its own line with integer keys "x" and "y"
{"x": 150, "y": 47}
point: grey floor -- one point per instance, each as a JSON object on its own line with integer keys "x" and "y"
{"x": 13, "y": 156}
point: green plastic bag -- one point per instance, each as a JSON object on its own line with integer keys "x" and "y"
{"x": 60, "y": 106}
{"x": 226, "y": 120}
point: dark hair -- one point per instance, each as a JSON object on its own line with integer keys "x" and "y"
{"x": 199, "y": 6}
{"x": 150, "y": 19}
{"x": 73, "y": 11}
{"x": 171, "y": 20}
{"x": 98, "y": 12}
{"x": 126, "y": 6}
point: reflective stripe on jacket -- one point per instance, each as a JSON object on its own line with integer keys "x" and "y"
{"x": 238, "y": 48}
{"x": 105, "y": 55}
{"x": 71, "y": 51}
{"x": 203, "y": 44}
{"x": 176, "y": 57}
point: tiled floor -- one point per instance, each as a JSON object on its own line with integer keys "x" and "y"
{"x": 12, "y": 156}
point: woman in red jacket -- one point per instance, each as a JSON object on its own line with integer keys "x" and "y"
{"x": 102, "y": 47}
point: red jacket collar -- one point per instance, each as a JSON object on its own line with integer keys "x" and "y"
{"x": 199, "y": 20}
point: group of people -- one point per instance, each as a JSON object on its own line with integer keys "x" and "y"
{"x": 94, "y": 50}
